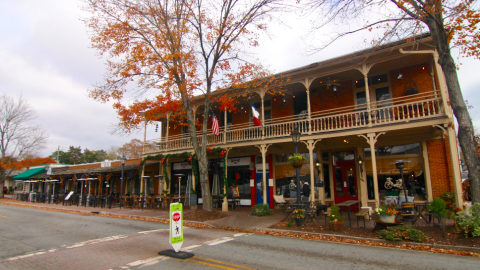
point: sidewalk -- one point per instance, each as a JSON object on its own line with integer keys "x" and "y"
{"x": 240, "y": 219}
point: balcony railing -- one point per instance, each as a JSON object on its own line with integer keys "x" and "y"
{"x": 398, "y": 110}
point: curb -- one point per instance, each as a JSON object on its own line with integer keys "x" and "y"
{"x": 400, "y": 243}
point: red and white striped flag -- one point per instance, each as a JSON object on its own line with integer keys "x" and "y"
{"x": 215, "y": 126}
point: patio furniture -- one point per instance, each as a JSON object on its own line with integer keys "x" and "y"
{"x": 280, "y": 201}
{"x": 422, "y": 212}
{"x": 347, "y": 204}
{"x": 408, "y": 213}
{"x": 361, "y": 216}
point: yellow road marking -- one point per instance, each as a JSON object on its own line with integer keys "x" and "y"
{"x": 217, "y": 264}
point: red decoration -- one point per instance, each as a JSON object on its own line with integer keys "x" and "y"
{"x": 223, "y": 153}
{"x": 163, "y": 161}
{"x": 84, "y": 189}
{"x": 190, "y": 159}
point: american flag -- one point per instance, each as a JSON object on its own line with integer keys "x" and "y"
{"x": 215, "y": 127}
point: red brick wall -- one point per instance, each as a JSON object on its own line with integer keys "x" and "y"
{"x": 241, "y": 116}
{"x": 440, "y": 166}
{"x": 324, "y": 99}
{"x": 420, "y": 74}
{"x": 280, "y": 108}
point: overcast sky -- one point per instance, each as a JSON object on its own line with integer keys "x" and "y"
{"x": 45, "y": 56}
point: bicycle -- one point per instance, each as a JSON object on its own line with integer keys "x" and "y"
{"x": 389, "y": 183}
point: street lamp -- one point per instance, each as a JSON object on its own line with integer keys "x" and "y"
{"x": 400, "y": 164}
{"x": 123, "y": 159}
{"x": 296, "y": 140}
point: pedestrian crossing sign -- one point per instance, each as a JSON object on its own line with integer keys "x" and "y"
{"x": 176, "y": 226}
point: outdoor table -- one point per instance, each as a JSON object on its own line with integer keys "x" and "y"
{"x": 419, "y": 209}
{"x": 348, "y": 204}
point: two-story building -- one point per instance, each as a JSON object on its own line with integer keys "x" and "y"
{"x": 357, "y": 114}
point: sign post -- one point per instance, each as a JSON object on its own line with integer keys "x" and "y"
{"x": 176, "y": 233}
{"x": 176, "y": 226}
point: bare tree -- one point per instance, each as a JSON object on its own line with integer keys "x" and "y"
{"x": 20, "y": 138}
{"x": 449, "y": 22}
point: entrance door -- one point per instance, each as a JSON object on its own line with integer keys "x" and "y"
{"x": 345, "y": 182}
{"x": 259, "y": 189}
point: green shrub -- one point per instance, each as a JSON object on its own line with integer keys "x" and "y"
{"x": 402, "y": 233}
{"x": 262, "y": 210}
{"x": 438, "y": 207}
{"x": 470, "y": 225}
{"x": 290, "y": 224}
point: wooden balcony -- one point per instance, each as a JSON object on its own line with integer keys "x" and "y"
{"x": 419, "y": 107}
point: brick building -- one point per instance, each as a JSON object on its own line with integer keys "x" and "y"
{"x": 357, "y": 114}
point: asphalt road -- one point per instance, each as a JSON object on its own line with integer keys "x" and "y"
{"x": 36, "y": 239}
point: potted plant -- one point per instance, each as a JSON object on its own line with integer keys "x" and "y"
{"x": 299, "y": 215}
{"x": 387, "y": 212}
{"x": 297, "y": 160}
{"x": 335, "y": 219}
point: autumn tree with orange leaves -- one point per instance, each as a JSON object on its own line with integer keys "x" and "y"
{"x": 173, "y": 51}
{"x": 20, "y": 138}
{"x": 451, "y": 24}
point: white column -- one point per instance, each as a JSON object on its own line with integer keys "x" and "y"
{"x": 372, "y": 139}
{"x": 457, "y": 177}
{"x": 362, "y": 179}
{"x": 426, "y": 167}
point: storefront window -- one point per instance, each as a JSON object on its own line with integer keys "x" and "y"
{"x": 386, "y": 172}
{"x": 326, "y": 180}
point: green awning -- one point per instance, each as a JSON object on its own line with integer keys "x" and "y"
{"x": 29, "y": 174}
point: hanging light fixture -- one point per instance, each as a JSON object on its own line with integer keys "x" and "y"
{"x": 284, "y": 100}
{"x": 399, "y": 76}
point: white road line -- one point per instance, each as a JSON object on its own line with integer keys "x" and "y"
{"x": 219, "y": 241}
{"x": 147, "y": 262}
{"x": 186, "y": 249}
{"x": 26, "y": 256}
{"x": 147, "y": 232}
{"x": 96, "y": 241}
{"x": 241, "y": 234}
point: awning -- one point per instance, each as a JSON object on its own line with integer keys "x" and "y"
{"x": 29, "y": 174}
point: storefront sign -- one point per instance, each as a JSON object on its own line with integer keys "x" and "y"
{"x": 237, "y": 161}
{"x": 182, "y": 166}
{"x": 176, "y": 226}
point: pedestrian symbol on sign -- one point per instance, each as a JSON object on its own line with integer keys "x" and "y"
{"x": 176, "y": 226}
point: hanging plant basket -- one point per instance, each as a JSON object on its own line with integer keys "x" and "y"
{"x": 297, "y": 163}
{"x": 410, "y": 88}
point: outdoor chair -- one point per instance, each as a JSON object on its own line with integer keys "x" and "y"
{"x": 92, "y": 200}
{"x": 136, "y": 201}
{"x": 361, "y": 216}
{"x": 408, "y": 213}
{"x": 280, "y": 201}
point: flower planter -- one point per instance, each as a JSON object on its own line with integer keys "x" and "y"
{"x": 336, "y": 226}
{"x": 297, "y": 163}
{"x": 387, "y": 218}
{"x": 299, "y": 221}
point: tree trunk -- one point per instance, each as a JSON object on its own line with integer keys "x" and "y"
{"x": 200, "y": 151}
{"x": 465, "y": 126}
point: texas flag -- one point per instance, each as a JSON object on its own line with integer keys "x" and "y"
{"x": 256, "y": 115}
